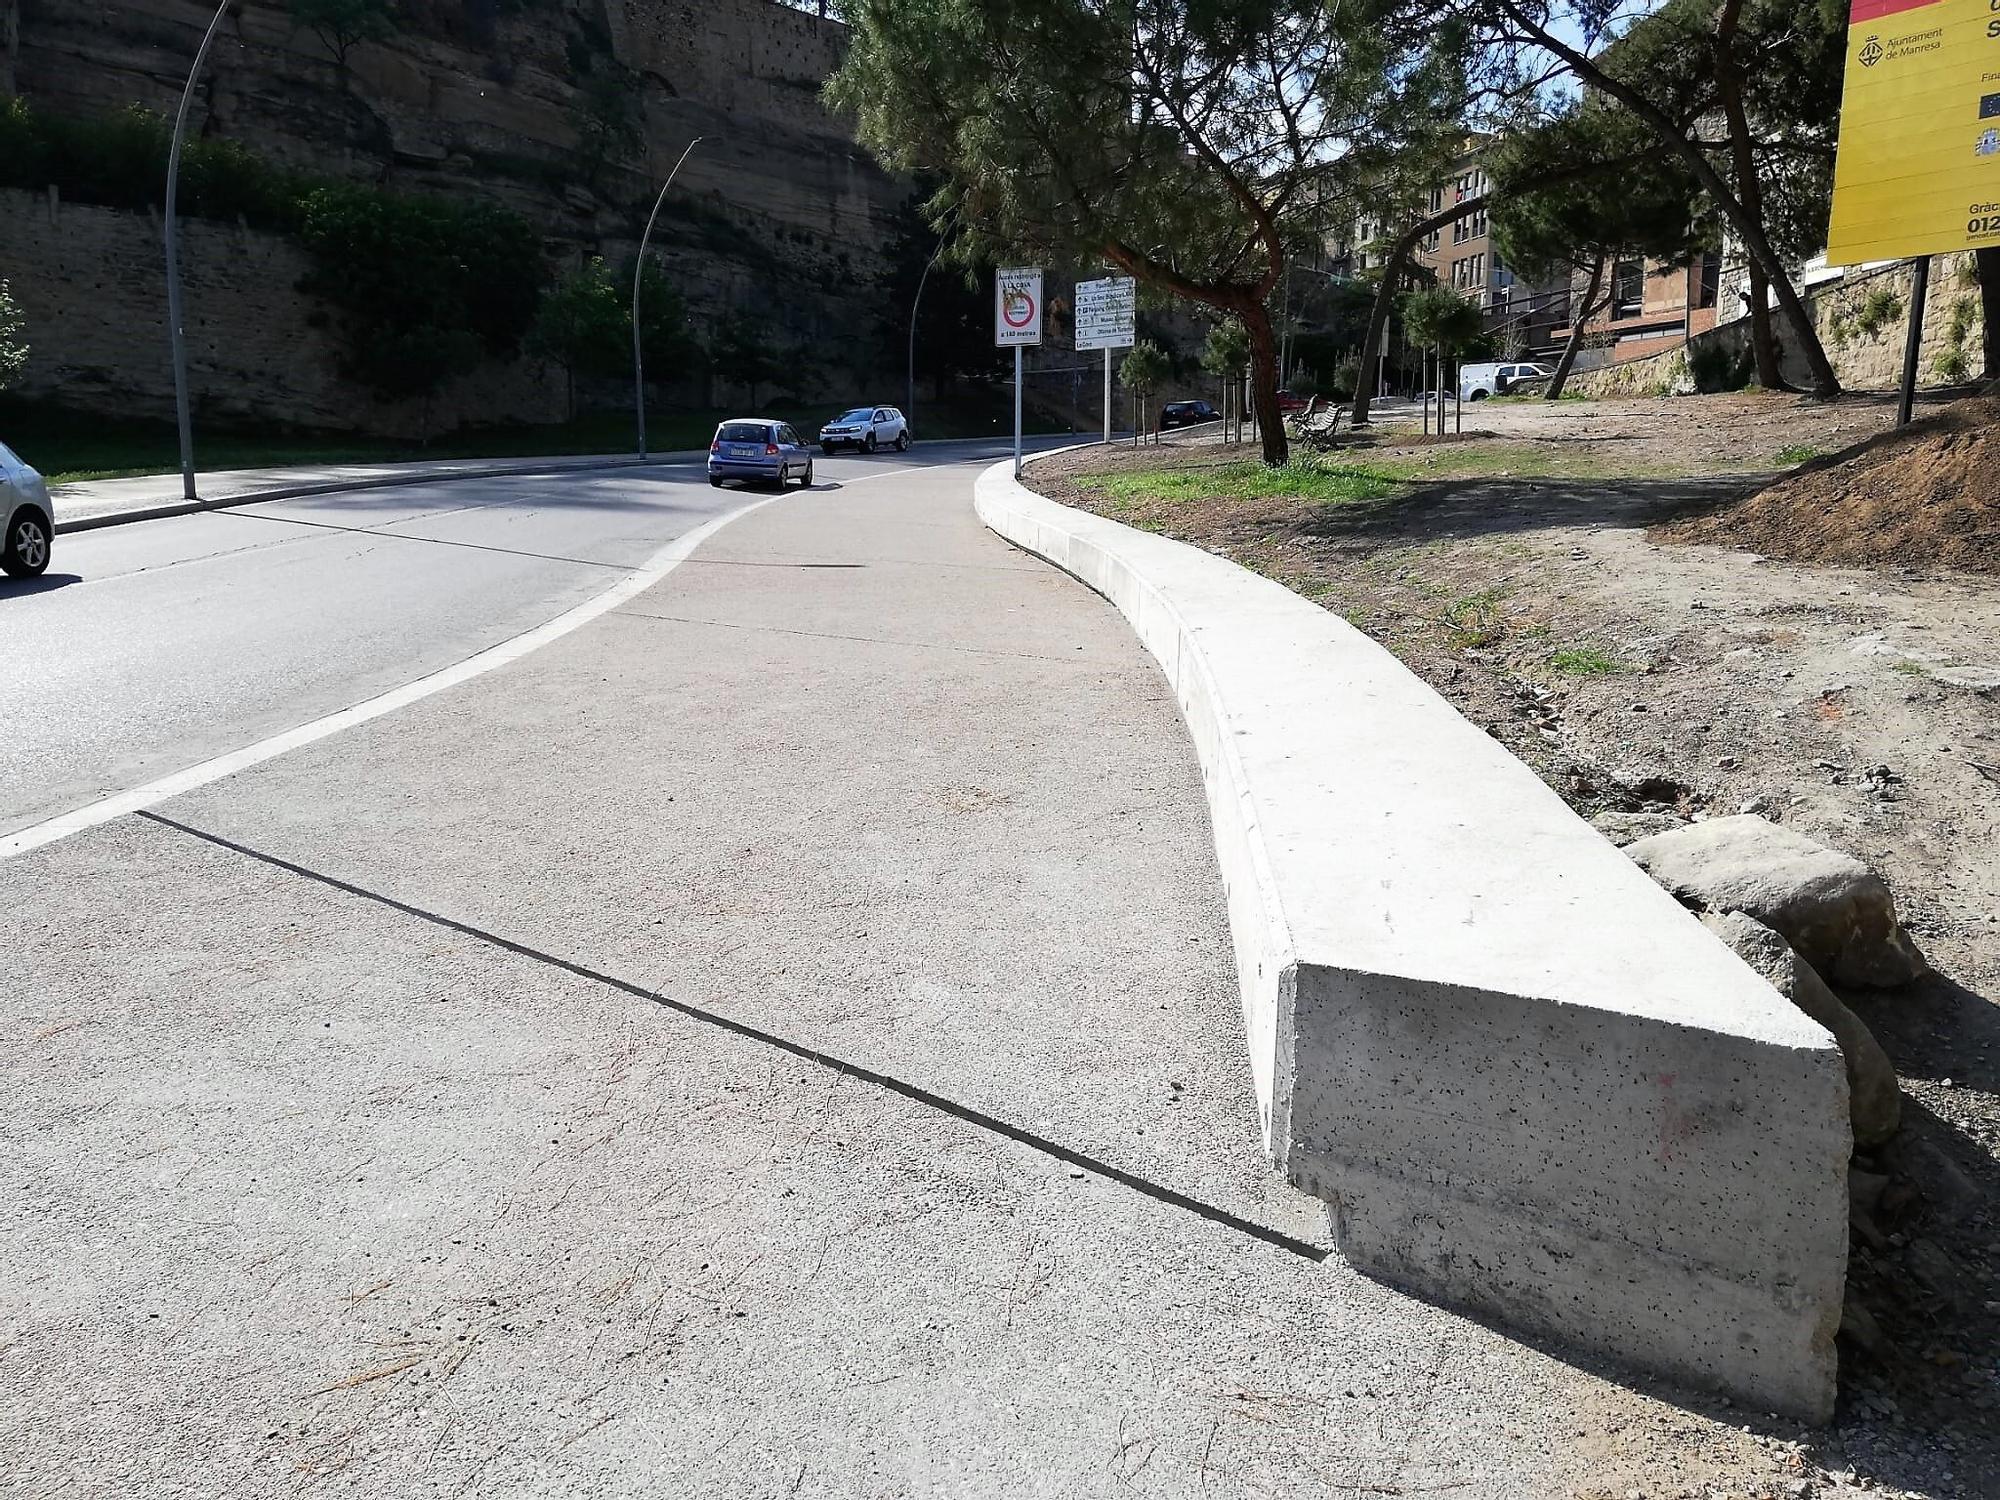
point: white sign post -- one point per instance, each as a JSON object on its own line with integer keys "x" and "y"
{"x": 1017, "y": 323}
{"x": 1105, "y": 314}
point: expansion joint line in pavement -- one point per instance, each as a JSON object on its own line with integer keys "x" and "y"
{"x": 888, "y": 1082}
{"x": 629, "y": 613}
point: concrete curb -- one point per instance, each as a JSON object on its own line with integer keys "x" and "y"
{"x": 1524, "y": 1079}
{"x": 336, "y": 486}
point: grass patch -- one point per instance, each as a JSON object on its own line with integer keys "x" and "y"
{"x": 1798, "y": 453}
{"x": 1477, "y": 620}
{"x": 1301, "y": 479}
{"x": 1333, "y": 480}
{"x": 1587, "y": 661}
{"x": 1488, "y": 458}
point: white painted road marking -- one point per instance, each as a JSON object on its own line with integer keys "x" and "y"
{"x": 650, "y": 572}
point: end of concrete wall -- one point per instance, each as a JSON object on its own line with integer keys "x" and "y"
{"x": 1525, "y": 1081}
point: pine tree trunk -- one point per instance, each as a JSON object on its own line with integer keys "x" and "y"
{"x": 1570, "y": 350}
{"x": 1764, "y": 338}
{"x": 1264, "y": 383}
{"x": 1743, "y": 162}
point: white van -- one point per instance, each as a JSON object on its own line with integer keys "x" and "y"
{"x": 1477, "y": 382}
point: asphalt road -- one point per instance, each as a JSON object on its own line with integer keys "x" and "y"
{"x": 150, "y": 647}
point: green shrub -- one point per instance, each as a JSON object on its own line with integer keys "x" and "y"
{"x": 427, "y": 287}
{"x": 13, "y": 338}
{"x": 1878, "y": 310}
{"x": 1716, "y": 367}
{"x": 1951, "y": 366}
{"x": 120, "y": 161}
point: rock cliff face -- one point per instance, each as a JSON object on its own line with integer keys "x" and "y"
{"x": 778, "y": 213}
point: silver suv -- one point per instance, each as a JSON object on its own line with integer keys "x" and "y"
{"x": 866, "y": 428}
{"x": 29, "y": 518}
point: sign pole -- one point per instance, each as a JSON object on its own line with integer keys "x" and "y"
{"x": 1017, "y": 322}
{"x": 1913, "y": 341}
{"x": 1107, "y": 395}
{"x": 176, "y": 329}
{"x": 1017, "y": 411}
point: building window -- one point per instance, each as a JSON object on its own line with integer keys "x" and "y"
{"x": 1628, "y": 289}
{"x": 1468, "y": 271}
{"x": 1710, "y": 280}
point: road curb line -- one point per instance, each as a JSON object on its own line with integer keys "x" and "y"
{"x": 341, "y": 486}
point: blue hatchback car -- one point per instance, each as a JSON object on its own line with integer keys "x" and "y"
{"x": 757, "y": 449}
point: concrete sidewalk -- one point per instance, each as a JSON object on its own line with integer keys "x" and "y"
{"x": 778, "y": 1040}
{"x": 99, "y": 501}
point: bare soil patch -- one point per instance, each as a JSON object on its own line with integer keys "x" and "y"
{"x": 1927, "y": 495}
{"x": 1524, "y": 577}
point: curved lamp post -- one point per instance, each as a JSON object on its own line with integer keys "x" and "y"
{"x": 910, "y": 374}
{"x": 638, "y": 274}
{"x": 174, "y": 328}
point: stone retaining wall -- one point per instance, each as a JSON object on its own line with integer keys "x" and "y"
{"x": 1864, "y": 360}
{"x": 778, "y": 212}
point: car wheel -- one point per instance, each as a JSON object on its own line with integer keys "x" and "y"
{"x": 903, "y": 441}
{"x": 869, "y": 445}
{"x": 806, "y": 481}
{"x": 25, "y": 553}
{"x": 827, "y": 449}
{"x": 1480, "y": 395}
{"x": 715, "y": 481}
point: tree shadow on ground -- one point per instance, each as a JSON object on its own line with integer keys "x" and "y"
{"x": 1458, "y": 509}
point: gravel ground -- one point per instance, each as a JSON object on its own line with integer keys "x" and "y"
{"x": 1518, "y": 576}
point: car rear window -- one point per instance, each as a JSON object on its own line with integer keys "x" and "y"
{"x": 741, "y": 432}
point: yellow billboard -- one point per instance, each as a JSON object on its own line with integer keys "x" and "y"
{"x": 1918, "y": 172}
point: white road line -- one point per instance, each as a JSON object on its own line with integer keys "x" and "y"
{"x": 650, "y": 572}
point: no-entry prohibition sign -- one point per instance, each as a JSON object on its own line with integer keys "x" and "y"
{"x": 1017, "y": 306}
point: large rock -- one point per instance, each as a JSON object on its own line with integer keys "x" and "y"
{"x": 1831, "y": 907}
{"x": 1874, "y": 1098}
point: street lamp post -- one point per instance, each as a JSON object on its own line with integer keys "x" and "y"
{"x": 910, "y": 373}
{"x": 174, "y": 329}
{"x": 638, "y": 273}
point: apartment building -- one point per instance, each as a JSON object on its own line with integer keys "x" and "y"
{"x": 1463, "y": 256}
{"x": 1653, "y": 307}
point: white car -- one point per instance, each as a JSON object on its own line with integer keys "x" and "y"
{"x": 866, "y": 428}
{"x": 31, "y": 519}
{"x": 1477, "y": 382}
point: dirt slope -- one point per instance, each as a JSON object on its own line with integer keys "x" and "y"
{"x": 1926, "y": 495}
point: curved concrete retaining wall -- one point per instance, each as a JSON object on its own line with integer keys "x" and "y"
{"x": 1525, "y": 1080}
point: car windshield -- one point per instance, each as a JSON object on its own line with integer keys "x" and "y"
{"x": 740, "y": 432}
{"x": 859, "y": 414}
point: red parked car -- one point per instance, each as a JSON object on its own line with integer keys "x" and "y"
{"x": 1288, "y": 402}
